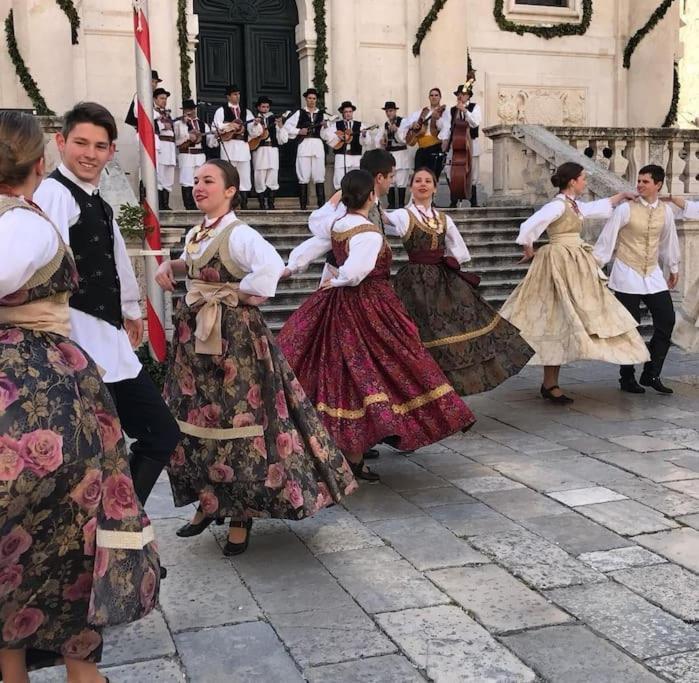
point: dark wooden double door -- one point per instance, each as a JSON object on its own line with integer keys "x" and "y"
{"x": 250, "y": 43}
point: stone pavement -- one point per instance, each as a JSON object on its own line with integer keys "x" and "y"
{"x": 548, "y": 544}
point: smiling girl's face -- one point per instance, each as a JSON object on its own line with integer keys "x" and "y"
{"x": 210, "y": 191}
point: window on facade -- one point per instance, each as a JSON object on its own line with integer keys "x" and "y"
{"x": 545, "y": 3}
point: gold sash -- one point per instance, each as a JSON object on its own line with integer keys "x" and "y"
{"x": 208, "y": 297}
{"x": 44, "y": 315}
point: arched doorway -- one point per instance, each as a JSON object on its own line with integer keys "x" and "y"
{"x": 251, "y": 43}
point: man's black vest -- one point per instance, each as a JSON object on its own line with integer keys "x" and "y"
{"x": 92, "y": 242}
{"x": 391, "y": 144}
{"x": 305, "y": 121}
{"x": 270, "y": 124}
{"x": 229, "y": 115}
{"x": 354, "y": 147}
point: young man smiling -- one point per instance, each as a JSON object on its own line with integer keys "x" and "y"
{"x": 105, "y": 314}
{"x": 643, "y": 238}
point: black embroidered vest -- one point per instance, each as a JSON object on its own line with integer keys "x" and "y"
{"x": 355, "y": 147}
{"x": 391, "y": 144}
{"x": 229, "y": 115}
{"x": 92, "y": 242}
{"x": 270, "y": 124}
{"x": 306, "y": 121}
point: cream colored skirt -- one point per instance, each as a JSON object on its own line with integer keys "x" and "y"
{"x": 686, "y": 332}
{"x": 565, "y": 311}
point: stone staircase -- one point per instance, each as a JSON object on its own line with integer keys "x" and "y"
{"x": 489, "y": 232}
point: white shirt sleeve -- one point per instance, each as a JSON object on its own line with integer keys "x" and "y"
{"x": 378, "y": 138}
{"x": 291, "y": 123}
{"x": 320, "y": 222}
{"x": 669, "y": 247}
{"x": 534, "y": 226}
{"x": 282, "y": 135}
{"x": 444, "y": 125}
{"x": 329, "y": 135}
{"x": 398, "y": 222}
{"x": 255, "y": 129}
{"x": 58, "y": 204}
{"x": 407, "y": 122}
{"x": 691, "y": 211}
{"x": 473, "y": 117}
{"x": 455, "y": 245}
{"x": 130, "y": 292}
{"x": 364, "y": 250}
{"x": 259, "y": 258}
{"x": 601, "y": 208}
{"x": 309, "y": 250}
{"x": 211, "y": 136}
{"x": 218, "y": 118}
{"x": 606, "y": 242}
{"x": 28, "y": 242}
{"x": 181, "y": 132}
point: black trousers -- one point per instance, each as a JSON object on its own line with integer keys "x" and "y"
{"x": 663, "y": 313}
{"x": 431, "y": 157}
{"x": 146, "y": 418}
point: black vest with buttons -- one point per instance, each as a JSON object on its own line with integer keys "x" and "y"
{"x": 92, "y": 242}
{"x": 355, "y": 147}
{"x": 306, "y": 121}
{"x": 391, "y": 144}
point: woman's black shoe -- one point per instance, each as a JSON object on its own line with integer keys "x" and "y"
{"x": 559, "y": 400}
{"x": 230, "y": 548}
{"x": 361, "y": 471}
{"x": 191, "y": 529}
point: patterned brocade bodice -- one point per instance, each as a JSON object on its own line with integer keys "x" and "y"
{"x": 340, "y": 246}
{"x": 423, "y": 237}
{"x": 570, "y": 223}
{"x": 214, "y": 262}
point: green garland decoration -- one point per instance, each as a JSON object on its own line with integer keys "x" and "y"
{"x": 320, "y": 74}
{"x": 69, "y": 10}
{"x": 546, "y": 32}
{"x": 183, "y": 44}
{"x": 636, "y": 38}
{"x": 25, "y": 78}
{"x": 671, "y": 118}
{"x": 426, "y": 24}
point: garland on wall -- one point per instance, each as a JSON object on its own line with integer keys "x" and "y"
{"x": 183, "y": 44}
{"x": 69, "y": 10}
{"x": 671, "y": 118}
{"x": 426, "y": 25}
{"x": 320, "y": 74}
{"x": 25, "y": 78}
{"x": 546, "y": 32}
{"x": 637, "y": 37}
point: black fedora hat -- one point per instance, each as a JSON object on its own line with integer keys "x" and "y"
{"x": 310, "y": 91}
{"x": 160, "y": 91}
{"x": 189, "y": 104}
{"x": 390, "y": 105}
{"x": 460, "y": 90}
{"x": 346, "y": 105}
{"x": 154, "y": 76}
{"x": 234, "y": 87}
{"x": 263, "y": 100}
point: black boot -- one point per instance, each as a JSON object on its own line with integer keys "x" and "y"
{"x": 270, "y": 199}
{"x": 188, "y": 199}
{"x": 161, "y": 200}
{"x": 303, "y": 196}
{"x": 392, "y": 198}
{"x": 166, "y": 200}
{"x": 262, "y": 198}
{"x": 243, "y": 201}
{"x": 144, "y": 474}
{"x": 453, "y": 202}
{"x": 320, "y": 194}
{"x": 474, "y": 199}
{"x": 401, "y": 197}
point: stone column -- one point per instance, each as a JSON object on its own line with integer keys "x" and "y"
{"x": 343, "y": 49}
{"x": 688, "y": 232}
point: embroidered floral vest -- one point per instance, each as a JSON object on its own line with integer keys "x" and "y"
{"x": 214, "y": 263}
{"x": 340, "y": 245}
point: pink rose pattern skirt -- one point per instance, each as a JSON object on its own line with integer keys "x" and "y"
{"x": 65, "y": 485}
{"x": 284, "y": 465}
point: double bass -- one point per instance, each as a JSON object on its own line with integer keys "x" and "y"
{"x": 461, "y": 155}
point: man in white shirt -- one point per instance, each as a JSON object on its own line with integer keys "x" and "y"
{"x": 389, "y": 137}
{"x": 105, "y": 314}
{"x": 165, "y": 149}
{"x": 191, "y": 133}
{"x": 468, "y": 111}
{"x": 347, "y": 139}
{"x": 643, "y": 237}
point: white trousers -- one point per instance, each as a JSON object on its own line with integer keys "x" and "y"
{"x": 166, "y": 176}
{"x": 310, "y": 169}
{"x": 475, "y": 170}
{"x": 266, "y": 178}
{"x": 404, "y": 167}
{"x": 244, "y": 173}
{"x": 344, "y": 163}
{"x": 188, "y": 164}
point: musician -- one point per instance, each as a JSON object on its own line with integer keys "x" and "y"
{"x": 390, "y": 138}
{"x": 470, "y": 113}
{"x": 131, "y": 116}
{"x": 190, "y": 135}
{"x": 305, "y": 125}
{"x": 265, "y": 158}
{"x": 346, "y": 138}
{"x": 230, "y": 127}
{"x": 459, "y": 148}
{"x": 430, "y": 127}
{"x": 166, "y": 152}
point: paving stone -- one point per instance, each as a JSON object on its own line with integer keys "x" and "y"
{"x": 189, "y": 551}
{"x": 588, "y": 444}
{"x": 472, "y": 519}
{"x": 487, "y": 484}
{"x": 627, "y": 619}
{"x": 588, "y": 496}
{"x": 658, "y": 497}
{"x": 679, "y": 545}
{"x": 333, "y": 530}
{"x": 689, "y": 438}
{"x": 597, "y": 471}
{"x": 688, "y": 486}
{"x": 499, "y": 601}
{"x": 643, "y": 443}
{"x": 205, "y": 594}
{"x": 450, "y": 646}
{"x": 541, "y": 476}
{"x": 682, "y": 668}
{"x": 684, "y": 458}
{"x": 154, "y": 670}
{"x": 380, "y": 580}
{"x": 400, "y": 474}
{"x": 429, "y": 498}
{"x": 574, "y": 533}
{"x": 540, "y": 563}
{"x": 673, "y": 588}
{"x": 654, "y": 466}
{"x": 387, "y": 669}
{"x": 606, "y": 428}
{"x": 573, "y": 654}
{"x": 620, "y": 558}
{"x": 521, "y": 503}
{"x": 690, "y": 520}
{"x": 426, "y": 544}
{"x": 243, "y": 653}
{"x": 161, "y": 506}
{"x": 627, "y": 517}
{"x": 376, "y": 501}
{"x": 144, "y": 639}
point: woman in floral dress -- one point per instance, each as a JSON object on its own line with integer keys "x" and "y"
{"x": 252, "y": 443}
{"x": 357, "y": 353}
{"x": 474, "y": 346}
{"x": 76, "y": 548}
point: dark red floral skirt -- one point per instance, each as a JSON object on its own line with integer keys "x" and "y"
{"x": 359, "y": 358}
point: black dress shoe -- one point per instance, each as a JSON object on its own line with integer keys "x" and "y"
{"x": 559, "y": 400}
{"x": 231, "y": 549}
{"x": 163, "y": 572}
{"x": 191, "y": 529}
{"x": 371, "y": 454}
{"x": 631, "y": 386}
{"x": 656, "y": 384}
{"x": 361, "y": 471}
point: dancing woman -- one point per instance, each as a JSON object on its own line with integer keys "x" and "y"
{"x": 562, "y": 306}
{"x": 252, "y": 444}
{"x": 474, "y": 346}
{"x": 76, "y": 548}
{"x": 357, "y": 353}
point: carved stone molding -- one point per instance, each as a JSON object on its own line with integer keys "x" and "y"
{"x": 547, "y": 106}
